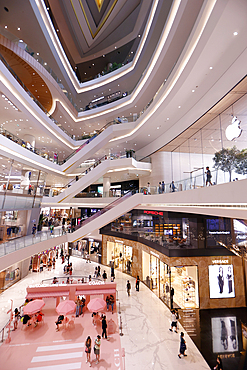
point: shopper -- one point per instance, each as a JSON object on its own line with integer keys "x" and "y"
{"x": 173, "y": 187}
{"x": 174, "y": 322}
{"x": 97, "y": 344}
{"x": 137, "y": 283}
{"x": 163, "y": 187}
{"x": 59, "y": 321}
{"x": 104, "y": 326}
{"x": 88, "y": 347}
{"x": 83, "y": 302}
{"x": 128, "y": 286}
{"x": 160, "y": 188}
{"x": 104, "y": 276}
{"x": 208, "y": 176}
{"x": 16, "y": 316}
{"x": 182, "y": 346}
{"x": 111, "y": 302}
{"x": 218, "y": 365}
{"x": 34, "y": 229}
{"x": 148, "y": 189}
{"x": 78, "y": 305}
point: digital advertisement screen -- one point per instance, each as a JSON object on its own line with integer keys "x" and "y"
{"x": 221, "y": 281}
{"x": 224, "y": 334}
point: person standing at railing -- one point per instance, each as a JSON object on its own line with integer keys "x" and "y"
{"x": 208, "y": 176}
{"x": 173, "y": 187}
{"x": 34, "y": 229}
{"x": 163, "y": 187}
{"x": 148, "y": 189}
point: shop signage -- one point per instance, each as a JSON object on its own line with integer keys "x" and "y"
{"x": 96, "y": 282}
{"x": 219, "y": 232}
{"x": 156, "y": 213}
{"x": 220, "y": 261}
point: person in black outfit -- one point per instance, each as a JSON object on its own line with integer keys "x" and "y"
{"x": 229, "y": 278}
{"x": 137, "y": 283}
{"x": 219, "y": 365}
{"x": 104, "y": 326}
{"x": 59, "y": 321}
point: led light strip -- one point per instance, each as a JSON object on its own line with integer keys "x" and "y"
{"x": 195, "y": 39}
{"x": 12, "y": 152}
{"x": 14, "y": 92}
{"x": 166, "y": 32}
{"x": 64, "y": 60}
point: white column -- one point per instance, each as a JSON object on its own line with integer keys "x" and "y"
{"x": 106, "y": 186}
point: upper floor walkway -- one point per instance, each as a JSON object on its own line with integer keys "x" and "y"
{"x": 225, "y": 200}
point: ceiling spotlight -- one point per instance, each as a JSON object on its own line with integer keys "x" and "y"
{"x": 210, "y": 67}
{"x": 193, "y": 90}
{"x": 235, "y": 33}
{"x": 18, "y": 29}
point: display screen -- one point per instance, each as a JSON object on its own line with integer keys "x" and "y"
{"x": 224, "y": 334}
{"x": 221, "y": 281}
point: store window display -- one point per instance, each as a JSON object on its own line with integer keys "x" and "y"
{"x": 184, "y": 281}
{"x": 121, "y": 255}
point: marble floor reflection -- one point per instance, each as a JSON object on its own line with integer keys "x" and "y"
{"x": 146, "y": 339}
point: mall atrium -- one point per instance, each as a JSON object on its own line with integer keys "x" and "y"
{"x": 123, "y": 142}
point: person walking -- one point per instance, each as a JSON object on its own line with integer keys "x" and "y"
{"x": 137, "y": 283}
{"x": 97, "y": 344}
{"x": 16, "y": 316}
{"x": 78, "y": 305}
{"x": 218, "y": 365}
{"x": 208, "y": 176}
{"x": 34, "y": 229}
{"x": 104, "y": 326}
{"x": 128, "y": 286}
{"x": 88, "y": 347}
{"x": 174, "y": 322}
{"x": 173, "y": 187}
{"x": 104, "y": 276}
{"x": 182, "y": 346}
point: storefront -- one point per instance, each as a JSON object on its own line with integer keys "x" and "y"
{"x": 120, "y": 254}
{"x": 181, "y": 282}
{"x": 176, "y": 286}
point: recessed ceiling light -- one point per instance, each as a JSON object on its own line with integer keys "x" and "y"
{"x": 148, "y": 134}
{"x": 193, "y": 90}
{"x": 18, "y": 28}
{"x": 210, "y": 67}
{"x": 158, "y": 128}
{"x": 5, "y": 26}
{"x": 167, "y": 118}
{"x": 235, "y": 33}
{"x": 179, "y": 106}
{"x": 37, "y": 53}
{"x": 20, "y": 40}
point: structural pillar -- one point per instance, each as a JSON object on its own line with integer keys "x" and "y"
{"x": 106, "y": 186}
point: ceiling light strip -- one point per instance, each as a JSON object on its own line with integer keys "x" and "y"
{"x": 195, "y": 39}
{"x": 14, "y": 92}
{"x": 64, "y": 60}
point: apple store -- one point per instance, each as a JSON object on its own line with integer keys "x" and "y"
{"x": 217, "y": 140}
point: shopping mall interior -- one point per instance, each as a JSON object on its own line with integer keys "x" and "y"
{"x": 123, "y": 144}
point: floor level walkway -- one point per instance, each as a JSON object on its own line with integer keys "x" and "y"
{"x": 148, "y": 343}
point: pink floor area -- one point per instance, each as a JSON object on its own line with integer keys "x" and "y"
{"x": 44, "y": 348}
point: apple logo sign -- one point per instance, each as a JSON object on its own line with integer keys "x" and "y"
{"x": 233, "y": 130}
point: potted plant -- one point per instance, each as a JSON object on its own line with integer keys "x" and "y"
{"x": 41, "y": 220}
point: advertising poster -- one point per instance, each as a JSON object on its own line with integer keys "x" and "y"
{"x": 224, "y": 334}
{"x": 221, "y": 281}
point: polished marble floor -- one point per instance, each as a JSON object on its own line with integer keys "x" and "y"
{"x": 145, "y": 319}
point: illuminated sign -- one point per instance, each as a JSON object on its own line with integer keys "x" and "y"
{"x": 220, "y": 261}
{"x": 156, "y": 213}
{"x": 219, "y": 232}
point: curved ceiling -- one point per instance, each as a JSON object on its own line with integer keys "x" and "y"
{"x": 31, "y": 79}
